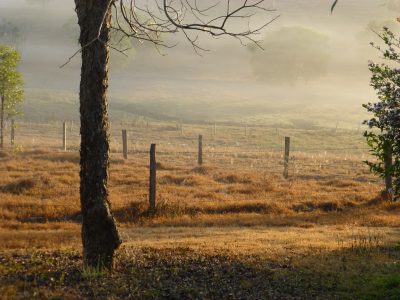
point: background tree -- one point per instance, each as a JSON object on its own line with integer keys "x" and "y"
{"x": 385, "y": 139}
{"x": 145, "y": 21}
{"x": 11, "y": 33}
{"x": 293, "y": 53}
{"x": 11, "y": 86}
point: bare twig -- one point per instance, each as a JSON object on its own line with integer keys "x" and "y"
{"x": 94, "y": 39}
{"x": 151, "y": 20}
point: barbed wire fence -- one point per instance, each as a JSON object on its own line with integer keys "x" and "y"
{"x": 226, "y": 147}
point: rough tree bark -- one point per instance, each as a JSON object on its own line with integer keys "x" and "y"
{"x": 100, "y": 236}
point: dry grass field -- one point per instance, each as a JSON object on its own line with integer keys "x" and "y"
{"x": 232, "y": 228}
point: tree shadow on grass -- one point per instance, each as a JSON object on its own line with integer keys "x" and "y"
{"x": 356, "y": 272}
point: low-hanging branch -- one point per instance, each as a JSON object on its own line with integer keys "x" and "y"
{"x": 151, "y": 20}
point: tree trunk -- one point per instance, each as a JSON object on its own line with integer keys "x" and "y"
{"x": 2, "y": 123}
{"x": 388, "y": 163}
{"x": 100, "y": 236}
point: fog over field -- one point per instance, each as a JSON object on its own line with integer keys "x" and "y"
{"x": 314, "y": 67}
{"x": 262, "y": 180}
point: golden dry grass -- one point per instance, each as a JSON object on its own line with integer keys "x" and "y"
{"x": 39, "y": 192}
{"x": 234, "y": 215}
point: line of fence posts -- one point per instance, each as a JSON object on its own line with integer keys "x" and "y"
{"x": 286, "y": 158}
{"x": 388, "y": 156}
{"x": 153, "y": 171}
{"x": 388, "y": 162}
{"x": 152, "y": 192}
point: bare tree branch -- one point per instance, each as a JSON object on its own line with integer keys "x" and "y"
{"x": 153, "y": 20}
{"x": 334, "y": 5}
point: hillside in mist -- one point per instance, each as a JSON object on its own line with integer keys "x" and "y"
{"x": 320, "y": 76}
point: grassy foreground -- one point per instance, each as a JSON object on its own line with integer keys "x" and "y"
{"x": 221, "y": 231}
{"x": 361, "y": 266}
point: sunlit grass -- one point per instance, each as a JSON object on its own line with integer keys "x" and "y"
{"x": 233, "y": 226}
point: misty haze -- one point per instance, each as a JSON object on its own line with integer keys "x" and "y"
{"x": 183, "y": 149}
{"x": 229, "y": 83}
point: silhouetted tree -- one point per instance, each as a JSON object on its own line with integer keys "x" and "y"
{"x": 146, "y": 20}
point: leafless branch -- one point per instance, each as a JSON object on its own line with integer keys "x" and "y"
{"x": 153, "y": 20}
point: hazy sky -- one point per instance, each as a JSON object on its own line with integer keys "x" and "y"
{"x": 223, "y": 74}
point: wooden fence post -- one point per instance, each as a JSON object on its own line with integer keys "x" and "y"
{"x": 388, "y": 167}
{"x": 12, "y": 132}
{"x": 153, "y": 170}
{"x": 124, "y": 144}
{"x": 65, "y": 136}
{"x": 200, "y": 153}
{"x": 181, "y": 129}
{"x": 286, "y": 157}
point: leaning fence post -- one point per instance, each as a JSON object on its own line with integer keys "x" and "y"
{"x": 286, "y": 158}
{"x": 388, "y": 167}
{"x": 12, "y": 132}
{"x": 200, "y": 153}
{"x": 65, "y": 136}
{"x": 124, "y": 143}
{"x": 153, "y": 169}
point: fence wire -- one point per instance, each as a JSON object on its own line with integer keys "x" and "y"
{"x": 228, "y": 148}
